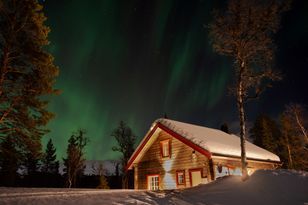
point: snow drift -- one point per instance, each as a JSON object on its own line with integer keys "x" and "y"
{"x": 265, "y": 187}
{"x": 272, "y": 187}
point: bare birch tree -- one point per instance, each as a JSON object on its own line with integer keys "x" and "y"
{"x": 293, "y": 130}
{"x": 244, "y": 31}
{"x": 296, "y": 113}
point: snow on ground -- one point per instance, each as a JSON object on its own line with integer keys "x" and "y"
{"x": 265, "y": 187}
{"x": 272, "y": 187}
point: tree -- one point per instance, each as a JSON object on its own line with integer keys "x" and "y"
{"x": 126, "y": 141}
{"x": 294, "y": 141}
{"x": 116, "y": 168}
{"x": 286, "y": 132}
{"x": 244, "y": 32}
{"x": 49, "y": 162}
{"x": 265, "y": 133}
{"x": 31, "y": 161}
{"x": 225, "y": 128}
{"x": 74, "y": 163}
{"x": 27, "y": 73}
{"x": 296, "y": 113}
{"x": 103, "y": 184}
{"x": 9, "y": 162}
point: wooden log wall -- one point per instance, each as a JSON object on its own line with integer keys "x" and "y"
{"x": 181, "y": 159}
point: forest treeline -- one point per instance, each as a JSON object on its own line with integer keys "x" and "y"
{"x": 44, "y": 171}
{"x": 286, "y": 136}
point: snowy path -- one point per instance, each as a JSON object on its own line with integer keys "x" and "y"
{"x": 276, "y": 187}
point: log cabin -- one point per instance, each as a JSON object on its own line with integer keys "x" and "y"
{"x": 175, "y": 155}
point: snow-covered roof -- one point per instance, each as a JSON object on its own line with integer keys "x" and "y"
{"x": 211, "y": 142}
{"x": 216, "y": 141}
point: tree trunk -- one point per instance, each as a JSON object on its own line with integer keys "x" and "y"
{"x": 301, "y": 126}
{"x": 125, "y": 181}
{"x": 74, "y": 180}
{"x": 69, "y": 178}
{"x": 240, "y": 105}
{"x": 290, "y": 165}
{"x": 290, "y": 157}
{"x": 69, "y": 183}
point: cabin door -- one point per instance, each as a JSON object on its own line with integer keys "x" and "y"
{"x": 195, "y": 177}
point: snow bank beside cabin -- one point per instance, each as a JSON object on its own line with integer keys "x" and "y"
{"x": 265, "y": 187}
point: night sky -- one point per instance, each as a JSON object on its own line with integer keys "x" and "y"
{"x": 137, "y": 60}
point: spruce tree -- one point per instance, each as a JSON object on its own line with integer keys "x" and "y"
{"x": 225, "y": 128}
{"x": 31, "y": 162}
{"x": 49, "y": 162}
{"x": 265, "y": 133}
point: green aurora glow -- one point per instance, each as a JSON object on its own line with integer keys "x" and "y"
{"x": 134, "y": 61}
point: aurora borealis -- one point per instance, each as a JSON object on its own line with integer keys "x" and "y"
{"x": 137, "y": 60}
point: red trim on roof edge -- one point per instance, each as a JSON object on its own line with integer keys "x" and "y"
{"x": 185, "y": 141}
{"x": 173, "y": 134}
{"x": 129, "y": 163}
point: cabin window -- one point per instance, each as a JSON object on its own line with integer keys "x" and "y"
{"x": 180, "y": 177}
{"x": 165, "y": 148}
{"x": 153, "y": 182}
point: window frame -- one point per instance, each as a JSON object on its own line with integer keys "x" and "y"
{"x": 162, "y": 148}
{"x": 177, "y": 178}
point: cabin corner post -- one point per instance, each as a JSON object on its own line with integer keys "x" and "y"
{"x": 135, "y": 176}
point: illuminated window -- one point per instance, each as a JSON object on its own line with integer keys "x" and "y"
{"x": 165, "y": 148}
{"x": 180, "y": 177}
{"x": 153, "y": 182}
